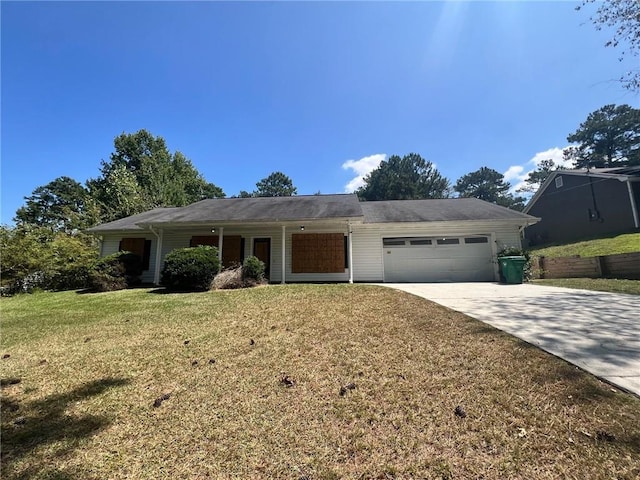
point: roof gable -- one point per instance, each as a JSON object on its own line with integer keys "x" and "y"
{"x": 629, "y": 173}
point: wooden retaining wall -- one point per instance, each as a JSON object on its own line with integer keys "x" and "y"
{"x": 624, "y": 265}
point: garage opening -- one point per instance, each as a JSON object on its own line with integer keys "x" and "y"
{"x": 438, "y": 259}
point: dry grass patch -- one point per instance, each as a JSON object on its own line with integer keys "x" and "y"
{"x": 300, "y": 381}
{"x": 614, "y": 285}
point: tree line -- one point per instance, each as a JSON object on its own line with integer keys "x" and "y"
{"x": 142, "y": 174}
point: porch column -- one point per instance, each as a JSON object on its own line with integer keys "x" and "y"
{"x": 220, "y": 242}
{"x": 350, "y": 253}
{"x": 284, "y": 254}
{"x": 634, "y": 207}
{"x": 156, "y": 273}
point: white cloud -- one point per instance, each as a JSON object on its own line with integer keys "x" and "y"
{"x": 516, "y": 174}
{"x": 513, "y": 172}
{"x": 362, "y": 168}
{"x": 556, "y": 154}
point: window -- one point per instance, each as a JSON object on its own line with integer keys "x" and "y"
{"x": 346, "y": 252}
{"x": 420, "y": 241}
{"x": 317, "y": 253}
{"x": 448, "y": 241}
{"x": 392, "y": 242}
{"x": 476, "y": 240}
{"x": 558, "y": 182}
{"x": 232, "y": 247}
{"x": 139, "y": 246}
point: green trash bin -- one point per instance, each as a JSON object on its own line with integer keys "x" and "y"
{"x": 512, "y": 269}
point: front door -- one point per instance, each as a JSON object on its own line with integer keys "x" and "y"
{"x": 262, "y": 250}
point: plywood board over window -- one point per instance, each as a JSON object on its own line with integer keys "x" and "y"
{"x": 139, "y": 246}
{"x": 317, "y": 253}
{"x": 232, "y": 247}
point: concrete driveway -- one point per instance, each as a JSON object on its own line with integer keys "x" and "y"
{"x": 597, "y": 331}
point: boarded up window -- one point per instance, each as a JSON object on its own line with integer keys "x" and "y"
{"x": 317, "y": 253}
{"x": 232, "y": 247}
{"x": 139, "y": 246}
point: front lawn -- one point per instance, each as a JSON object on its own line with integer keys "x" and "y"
{"x": 295, "y": 382}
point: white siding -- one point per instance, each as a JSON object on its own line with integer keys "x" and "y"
{"x": 367, "y": 241}
{"x": 181, "y": 239}
{"x": 367, "y": 244}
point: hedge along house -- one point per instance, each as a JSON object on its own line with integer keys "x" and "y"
{"x": 330, "y": 238}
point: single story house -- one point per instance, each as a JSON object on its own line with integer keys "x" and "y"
{"x": 577, "y": 204}
{"x": 330, "y": 238}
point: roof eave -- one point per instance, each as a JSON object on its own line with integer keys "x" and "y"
{"x": 249, "y": 223}
{"x": 521, "y": 222}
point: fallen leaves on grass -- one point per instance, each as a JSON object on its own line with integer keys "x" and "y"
{"x": 158, "y": 401}
{"x": 287, "y": 381}
{"x": 275, "y": 412}
{"x": 345, "y": 388}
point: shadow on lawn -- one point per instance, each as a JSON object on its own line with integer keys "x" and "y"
{"x": 45, "y": 422}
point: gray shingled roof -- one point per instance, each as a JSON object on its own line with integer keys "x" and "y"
{"x": 315, "y": 207}
{"x": 131, "y": 223}
{"x": 260, "y": 209}
{"x": 302, "y": 207}
{"x": 437, "y": 210}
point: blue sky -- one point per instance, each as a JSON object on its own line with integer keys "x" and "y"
{"x": 321, "y": 91}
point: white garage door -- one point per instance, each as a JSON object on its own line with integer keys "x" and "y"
{"x": 438, "y": 259}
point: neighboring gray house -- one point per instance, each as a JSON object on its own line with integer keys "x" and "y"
{"x": 577, "y": 204}
{"x": 330, "y": 238}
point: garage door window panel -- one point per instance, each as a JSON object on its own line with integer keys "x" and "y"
{"x": 448, "y": 241}
{"x": 471, "y": 240}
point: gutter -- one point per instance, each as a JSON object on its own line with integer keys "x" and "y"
{"x": 634, "y": 207}
{"x": 159, "y": 237}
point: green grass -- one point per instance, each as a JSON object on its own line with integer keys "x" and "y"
{"x": 627, "y": 243}
{"x": 599, "y": 284}
{"x": 91, "y": 366}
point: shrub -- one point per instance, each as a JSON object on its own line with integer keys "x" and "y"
{"x": 228, "y": 279}
{"x": 253, "y": 268}
{"x": 116, "y": 272}
{"x": 190, "y": 269}
{"x": 37, "y": 258}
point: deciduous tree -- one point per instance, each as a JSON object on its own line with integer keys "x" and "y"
{"x": 61, "y": 205}
{"x": 163, "y": 179}
{"x": 624, "y": 17}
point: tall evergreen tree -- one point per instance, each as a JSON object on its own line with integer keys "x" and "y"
{"x": 537, "y": 177}
{"x": 404, "y": 178}
{"x": 609, "y": 137}
{"x": 275, "y": 185}
{"x": 488, "y": 185}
